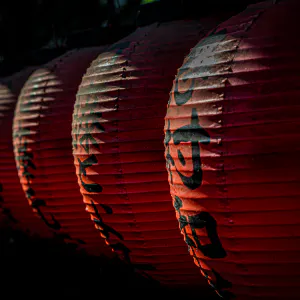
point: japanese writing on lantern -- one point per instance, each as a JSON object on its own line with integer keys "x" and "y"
{"x": 25, "y": 167}
{"x": 201, "y": 220}
{"x": 25, "y": 159}
{"x": 212, "y": 250}
{"x": 193, "y": 135}
{"x": 105, "y": 230}
{"x": 84, "y": 125}
{"x": 86, "y": 120}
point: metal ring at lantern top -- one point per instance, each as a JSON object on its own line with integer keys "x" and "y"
{"x": 232, "y": 151}
{"x": 14, "y": 209}
{"x": 43, "y": 149}
{"x": 118, "y": 150}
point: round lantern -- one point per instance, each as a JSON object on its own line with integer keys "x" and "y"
{"x": 14, "y": 210}
{"x": 117, "y": 132}
{"x": 232, "y": 150}
{"x": 43, "y": 149}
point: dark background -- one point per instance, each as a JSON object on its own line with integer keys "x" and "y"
{"x": 33, "y": 32}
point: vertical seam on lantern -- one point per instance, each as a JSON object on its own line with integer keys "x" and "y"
{"x": 139, "y": 231}
{"x": 151, "y": 29}
{"x": 226, "y": 83}
{"x": 243, "y": 36}
{"x": 118, "y": 156}
{"x": 224, "y": 153}
{"x": 52, "y": 69}
{"x": 123, "y": 186}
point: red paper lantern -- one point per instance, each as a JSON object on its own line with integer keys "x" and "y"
{"x": 14, "y": 210}
{"x": 119, "y": 155}
{"x": 43, "y": 148}
{"x": 232, "y": 152}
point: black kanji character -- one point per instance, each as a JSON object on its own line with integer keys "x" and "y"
{"x": 89, "y": 187}
{"x": 195, "y": 134}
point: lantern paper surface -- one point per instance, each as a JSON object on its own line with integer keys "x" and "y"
{"x": 119, "y": 154}
{"x": 14, "y": 210}
{"x": 232, "y": 150}
{"x": 43, "y": 149}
